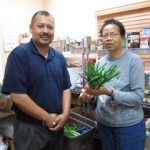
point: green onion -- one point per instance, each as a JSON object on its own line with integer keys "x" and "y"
{"x": 71, "y": 130}
{"x": 96, "y": 76}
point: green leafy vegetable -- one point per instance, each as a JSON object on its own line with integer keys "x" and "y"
{"x": 71, "y": 130}
{"x": 96, "y": 76}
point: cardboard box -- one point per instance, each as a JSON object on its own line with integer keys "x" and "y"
{"x": 59, "y": 45}
{"x": 145, "y": 42}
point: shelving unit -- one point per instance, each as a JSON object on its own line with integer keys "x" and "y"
{"x": 135, "y": 50}
{"x": 76, "y": 56}
{"x": 133, "y": 16}
{"x": 144, "y": 54}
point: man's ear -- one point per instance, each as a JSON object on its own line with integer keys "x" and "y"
{"x": 30, "y": 28}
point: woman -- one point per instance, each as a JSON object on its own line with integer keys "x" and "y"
{"x": 119, "y": 112}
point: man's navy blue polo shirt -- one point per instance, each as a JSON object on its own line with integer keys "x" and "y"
{"x": 43, "y": 79}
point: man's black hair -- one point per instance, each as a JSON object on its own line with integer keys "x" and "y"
{"x": 41, "y": 12}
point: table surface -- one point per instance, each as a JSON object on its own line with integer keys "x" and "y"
{"x": 4, "y": 114}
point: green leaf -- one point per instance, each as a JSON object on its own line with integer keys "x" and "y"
{"x": 96, "y": 76}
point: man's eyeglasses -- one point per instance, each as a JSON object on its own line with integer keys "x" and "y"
{"x": 111, "y": 35}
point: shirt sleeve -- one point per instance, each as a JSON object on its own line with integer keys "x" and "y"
{"x": 66, "y": 79}
{"x": 133, "y": 96}
{"x": 15, "y": 77}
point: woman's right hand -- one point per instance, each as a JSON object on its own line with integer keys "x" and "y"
{"x": 88, "y": 93}
{"x": 84, "y": 96}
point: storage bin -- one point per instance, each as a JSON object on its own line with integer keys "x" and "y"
{"x": 83, "y": 141}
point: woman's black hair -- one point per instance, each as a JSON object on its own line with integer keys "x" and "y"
{"x": 114, "y": 22}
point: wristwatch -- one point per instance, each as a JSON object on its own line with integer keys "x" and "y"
{"x": 112, "y": 94}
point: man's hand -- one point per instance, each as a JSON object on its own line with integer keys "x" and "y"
{"x": 50, "y": 120}
{"x": 59, "y": 122}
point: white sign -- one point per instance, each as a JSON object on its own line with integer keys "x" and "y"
{"x": 11, "y": 40}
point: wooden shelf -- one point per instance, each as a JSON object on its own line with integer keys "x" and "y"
{"x": 134, "y": 16}
{"x": 76, "y": 57}
{"x": 143, "y": 53}
{"x": 137, "y": 6}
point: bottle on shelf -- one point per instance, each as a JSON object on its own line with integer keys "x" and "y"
{"x": 67, "y": 46}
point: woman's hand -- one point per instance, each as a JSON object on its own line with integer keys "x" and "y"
{"x": 96, "y": 92}
{"x": 88, "y": 93}
{"x": 84, "y": 96}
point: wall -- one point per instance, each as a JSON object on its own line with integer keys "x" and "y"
{"x": 15, "y": 17}
{"x": 76, "y": 19}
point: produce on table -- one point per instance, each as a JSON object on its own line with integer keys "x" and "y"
{"x": 96, "y": 76}
{"x": 71, "y": 130}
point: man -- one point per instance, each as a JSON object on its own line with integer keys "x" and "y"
{"x": 38, "y": 82}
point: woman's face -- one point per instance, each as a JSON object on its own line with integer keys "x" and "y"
{"x": 111, "y": 38}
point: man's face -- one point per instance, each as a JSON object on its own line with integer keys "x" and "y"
{"x": 42, "y": 30}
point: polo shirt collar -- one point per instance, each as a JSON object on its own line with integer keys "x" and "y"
{"x": 35, "y": 51}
